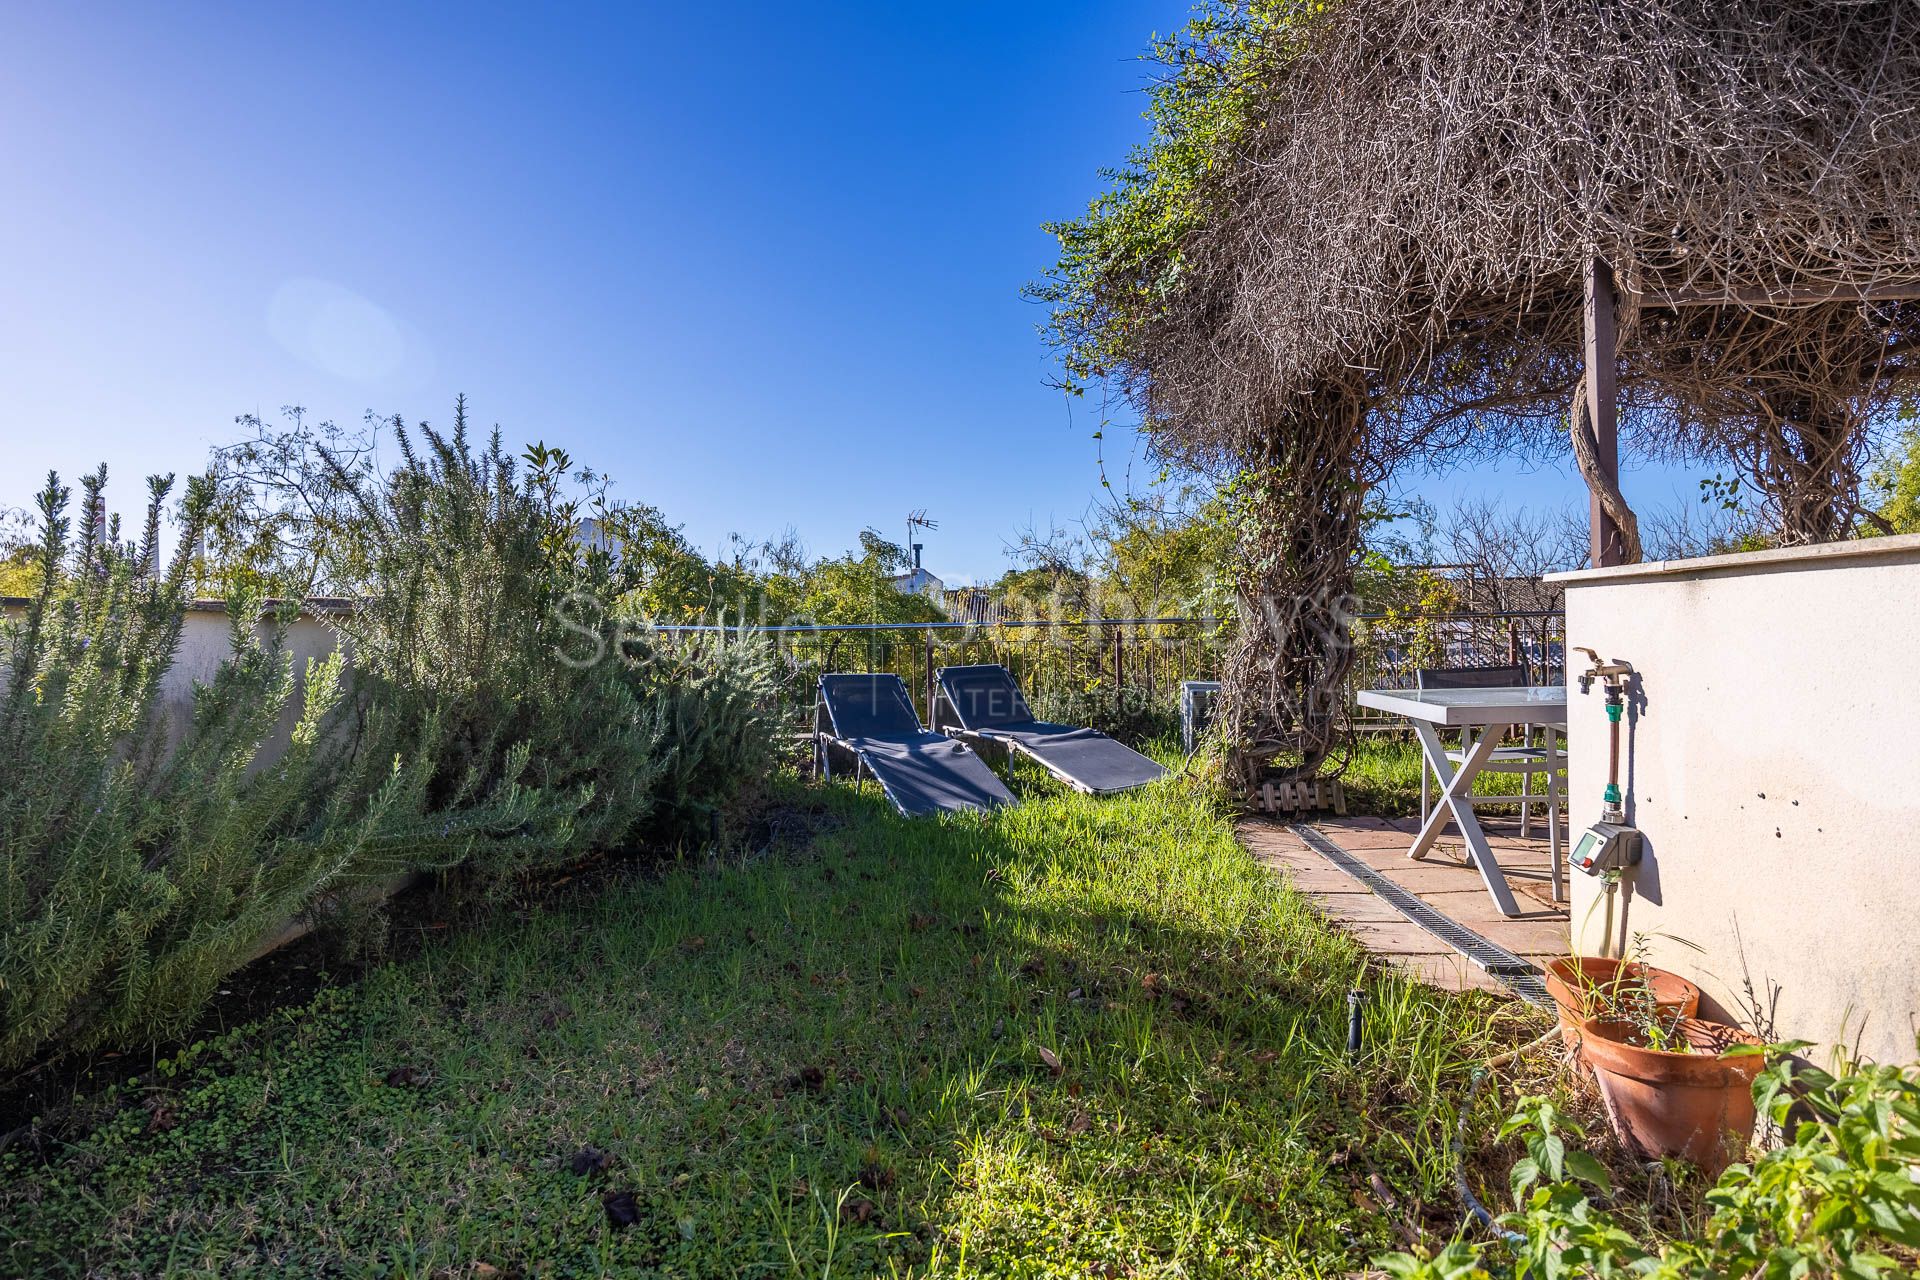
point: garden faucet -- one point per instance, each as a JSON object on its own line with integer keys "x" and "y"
{"x": 1613, "y": 674}
{"x": 1610, "y": 672}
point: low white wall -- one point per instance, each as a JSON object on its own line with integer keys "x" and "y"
{"x": 205, "y": 642}
{"x": 1771, "y": 756}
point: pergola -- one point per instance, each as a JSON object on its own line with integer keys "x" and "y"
{"x": 1601, "y": 354}
{"x": 1448, "y": 227}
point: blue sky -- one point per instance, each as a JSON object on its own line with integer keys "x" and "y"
{"x": 761, "y": 263}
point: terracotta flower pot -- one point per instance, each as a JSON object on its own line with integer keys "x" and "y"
{"x": 1696, "y": 1105}
{"x": 1585, "y": 987}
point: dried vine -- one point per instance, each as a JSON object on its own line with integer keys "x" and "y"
{"x": 1300, "y": 521}
{"x": 1426, "y": 179}
{"x": 1604, "y": 487}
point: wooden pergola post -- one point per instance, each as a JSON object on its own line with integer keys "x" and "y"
{"x": 1606, "y": 546}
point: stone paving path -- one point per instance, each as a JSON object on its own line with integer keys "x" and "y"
{"x": 1445, "y": 880}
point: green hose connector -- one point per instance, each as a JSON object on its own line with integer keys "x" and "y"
{"x": 1613, "y": 711}
{"x": 1612, "y": 795}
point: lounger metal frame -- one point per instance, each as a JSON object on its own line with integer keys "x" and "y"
{"x": 946, "y": 719}
{"x": 1002, "y": 749}
{"x": 827, "y": 740}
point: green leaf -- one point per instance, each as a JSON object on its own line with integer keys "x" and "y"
{"x": 1587, "y": 1169}
{"x": 1525, "y": 1173}
{"x": 1552, "y": 1153}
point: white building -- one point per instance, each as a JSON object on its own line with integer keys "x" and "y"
{"x": 920, "y": 582}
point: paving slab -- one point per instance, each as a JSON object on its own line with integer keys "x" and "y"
{"x": 1445, "y": 880}
{"x": 1474, "y": 908}
{"x": 1354, "y": 908}
{"x": 1392, "y": 937}
{"x": 1422, "y": 877}
{"x": 1323, "y": 879}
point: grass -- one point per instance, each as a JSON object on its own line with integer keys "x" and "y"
{"x": 1076, "y": 1038}
{"x": 1383, "y": 777}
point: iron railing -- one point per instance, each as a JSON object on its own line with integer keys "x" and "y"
{"x": 1124, "y": 674}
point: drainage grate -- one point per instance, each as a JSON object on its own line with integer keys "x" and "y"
{"x": 1519, "y": 975}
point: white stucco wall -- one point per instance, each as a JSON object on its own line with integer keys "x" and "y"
{"x": 204, "y": 643}
{"x": 1772, "y": 757}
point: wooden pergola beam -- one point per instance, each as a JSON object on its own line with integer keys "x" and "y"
{"x": 1808, "y": 296}
{"x": 1606, "y": 546}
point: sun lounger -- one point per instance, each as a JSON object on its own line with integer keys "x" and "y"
{"x": 982, "y": 704}
{"x": 866, "y": 723}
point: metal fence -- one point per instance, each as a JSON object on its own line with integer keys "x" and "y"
{"x": 1392, "y": 648}
{"x": 1123, "y": 675}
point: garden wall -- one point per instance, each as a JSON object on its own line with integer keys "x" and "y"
{"x": 204, "y": 642}
{"x": 1772, "y": 758}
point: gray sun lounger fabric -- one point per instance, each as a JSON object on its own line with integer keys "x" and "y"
{"x": 985, "y": 702}
{"x": 921, "y": 773}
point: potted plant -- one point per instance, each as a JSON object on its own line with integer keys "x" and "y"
{"x": 1585, "y": 987}
{"x": 1675, "y": 1085}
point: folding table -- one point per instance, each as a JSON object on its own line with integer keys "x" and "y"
{"x": 1492, "y": 712}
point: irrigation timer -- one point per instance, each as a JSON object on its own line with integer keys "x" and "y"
{"x": 1606, "y": 846}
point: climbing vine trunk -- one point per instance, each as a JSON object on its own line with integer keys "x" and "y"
{"x": 1807, "y": 465}
{"x": 1284, "y": 690}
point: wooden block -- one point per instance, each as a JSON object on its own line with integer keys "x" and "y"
{"x": 1295, "y": 798}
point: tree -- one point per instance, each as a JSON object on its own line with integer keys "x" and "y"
{"x": 1718, "y": 521}
{"x": 1502, "y": 553}
{"x": 1168, "y": 554}
{"x": 858, "y": 587}
{"x": 1052, "y": 577}
{"x": 1895, "y": 483}
{"x": 19, "y": 560}
{"x": 661, "y": 575}
{"x": 1294, "y": 478}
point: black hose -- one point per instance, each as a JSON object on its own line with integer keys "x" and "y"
{"x": 1460, "y": 1164}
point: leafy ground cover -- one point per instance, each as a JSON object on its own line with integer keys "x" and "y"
{"x": 1074, "y": 1038}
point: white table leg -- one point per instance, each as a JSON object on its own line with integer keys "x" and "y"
{"x": 1526, "y": 787}
{"x": 1478, "y": 751}
{"x": 1456, "y": 800}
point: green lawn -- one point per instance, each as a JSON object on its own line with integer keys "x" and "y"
{"x": 1080, "y": 1037}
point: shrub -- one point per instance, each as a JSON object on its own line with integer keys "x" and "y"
{"x": 140, "y": 862}
{"x": 717, "y": 699}
{"x": 486, "y": 642}
{"x": 136, "y": 871}
{"x": 457, "y": 564}
{"x": 1132, "y": 714}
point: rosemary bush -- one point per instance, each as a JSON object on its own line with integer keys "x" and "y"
{"x": 490, "y": 646}
{"x": 457, "y": 563}
{"x": 141, "y": 861}
{"x": 716, "y": 698}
